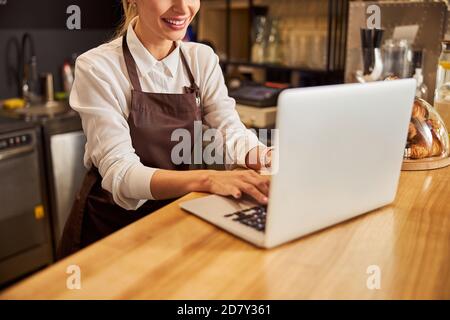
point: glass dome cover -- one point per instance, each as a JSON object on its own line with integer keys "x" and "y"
{"x": 427, "y": 135}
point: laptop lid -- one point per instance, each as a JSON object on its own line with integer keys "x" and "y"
{"x": 340, "y": 154}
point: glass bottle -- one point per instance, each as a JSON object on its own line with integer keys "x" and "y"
{"x": 259, "y": 42}
{"x": 442, "y": 93}
{"x": 274, "y": 43}
{"x": 421, "y": 88}
{"x": 397, "y": 56}
{"x": 30, "y": 84}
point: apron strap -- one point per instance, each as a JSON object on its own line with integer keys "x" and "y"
{"x": 188, "y": 69}
{"x": 193, "y": 85}
{"x": 132, "y": 71}
{"x": 134, "y": 78}
{"x": 131, "y": 64}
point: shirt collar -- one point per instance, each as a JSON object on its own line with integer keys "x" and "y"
{"x": 144, "y": 59}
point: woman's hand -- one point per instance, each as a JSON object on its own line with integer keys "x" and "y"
{"x": 234, "y": 183}
{"x": 259, "y": 158}
{"x": 166, "y": 184}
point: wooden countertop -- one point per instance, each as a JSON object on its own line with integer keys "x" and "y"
{"x": 171, "y": 254}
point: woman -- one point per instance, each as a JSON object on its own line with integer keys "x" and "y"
{"x": 131, "y": 94}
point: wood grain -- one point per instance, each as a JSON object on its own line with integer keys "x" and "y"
{"x": 173, "y": 255}
{"x": 426, "y": 164}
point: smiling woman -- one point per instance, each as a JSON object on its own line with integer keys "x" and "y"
{"x": 174, "y": 21}
{"x": 163, "y": 23}
{"x": 132, "y": 94}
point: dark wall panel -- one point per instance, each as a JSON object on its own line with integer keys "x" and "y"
{"x": 51, "y": 14}
{"x": 52, "y": 48}
{"x": 45, "y": 20}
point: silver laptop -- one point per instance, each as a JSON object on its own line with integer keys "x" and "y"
{"x": 340, "y": 155}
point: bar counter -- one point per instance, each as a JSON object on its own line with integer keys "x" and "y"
{"x": 171, "y": 254}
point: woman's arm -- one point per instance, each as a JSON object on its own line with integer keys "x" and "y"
{"x": 167, "y": 184}
{"x": 170, "y": 184}
{"x": 101, "y": 101}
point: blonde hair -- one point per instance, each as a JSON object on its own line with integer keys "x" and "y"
{"x": 130, "y": 12}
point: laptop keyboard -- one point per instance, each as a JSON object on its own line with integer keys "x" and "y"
{"x": 254, "y": 217}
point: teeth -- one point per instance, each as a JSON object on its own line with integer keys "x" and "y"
{"x": 175, "y": 22}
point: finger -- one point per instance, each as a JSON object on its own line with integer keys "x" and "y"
{"x": 259, "y": 181}
{"x": 260, "y": 176}
{"x": 235, "y": 192}
{"x": 229, "y": 190}
{"x": 261, "y": 184}
{"x": 262, "y": 179}
{"x": 254, "y": 192}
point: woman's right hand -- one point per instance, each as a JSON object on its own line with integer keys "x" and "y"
{"x": 167, "y": 184}
{"x": 235, "y": 183}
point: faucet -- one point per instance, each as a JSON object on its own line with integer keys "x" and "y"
{"x": 28, "y": 70}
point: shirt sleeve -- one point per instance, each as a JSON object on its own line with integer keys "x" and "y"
{"x": 220, "y": 112}
{"x": 109, "y": 145}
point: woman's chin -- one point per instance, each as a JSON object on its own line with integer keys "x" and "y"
{"x": 175, "y": 35}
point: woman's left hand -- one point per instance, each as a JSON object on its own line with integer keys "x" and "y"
{"x": 259, "y": 158}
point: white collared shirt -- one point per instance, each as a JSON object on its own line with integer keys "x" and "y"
{"x": 101, "y": 95}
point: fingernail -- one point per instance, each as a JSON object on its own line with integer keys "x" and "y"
{"x": 265, "y": 199}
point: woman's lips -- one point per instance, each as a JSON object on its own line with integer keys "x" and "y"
{"x": 175, "y": 24}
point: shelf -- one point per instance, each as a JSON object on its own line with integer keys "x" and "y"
{"x": 279, "y": 67}
{"x": 221, "y": 4}
{"x": 228, "y": 25}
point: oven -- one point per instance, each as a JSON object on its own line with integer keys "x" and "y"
{"x": 25, "y": 233}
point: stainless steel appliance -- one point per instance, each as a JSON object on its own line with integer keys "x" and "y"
{"x": 63, "y": 143}
{"x": 25, "y": 237}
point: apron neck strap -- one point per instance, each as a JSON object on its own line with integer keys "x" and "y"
{"x": 188, "y": 69}
{"x": 131, "y": 64}
{"x": 132, "y": 70}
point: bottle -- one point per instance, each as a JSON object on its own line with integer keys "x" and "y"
{"x": 442, "y": 93}
{"x": 273, "y": 46}
{"x": 30, "y": 82}
{"x": 67, "y": 76}
{"x": 421, "y": 88}
{"x": 48, "y": 88}
{"x": 259, "y": 43}
{"x": 397, "y": 58}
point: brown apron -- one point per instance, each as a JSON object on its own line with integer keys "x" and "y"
{"x": 152, "y": 119}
